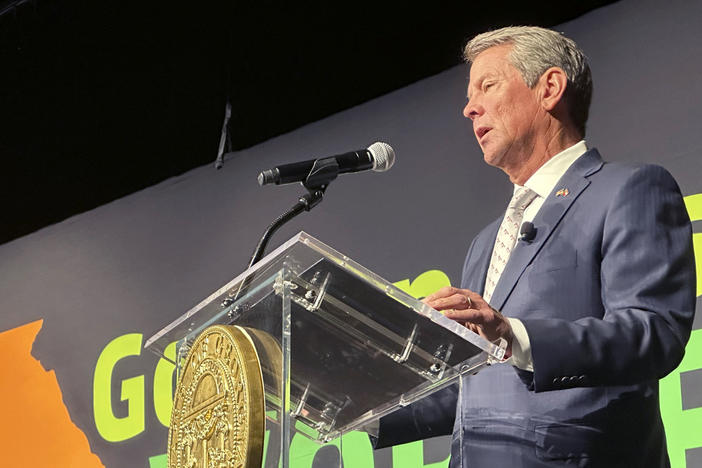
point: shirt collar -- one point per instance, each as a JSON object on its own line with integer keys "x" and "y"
{"x": 547, "y": 176}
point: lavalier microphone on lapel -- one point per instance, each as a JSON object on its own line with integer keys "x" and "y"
{"x": 527, "y": 232}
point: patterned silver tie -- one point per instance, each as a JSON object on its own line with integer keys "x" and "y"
{"x": 507, "y": 238}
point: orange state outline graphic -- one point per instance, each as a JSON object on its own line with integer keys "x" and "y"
{"x": 37, "y": 429}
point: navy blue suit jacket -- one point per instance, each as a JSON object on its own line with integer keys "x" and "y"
{"x": 606, "y": 291}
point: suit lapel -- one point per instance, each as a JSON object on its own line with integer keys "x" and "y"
{"x": 574, "y": 181}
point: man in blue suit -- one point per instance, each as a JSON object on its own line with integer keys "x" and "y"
{"x": 595, "y": 300}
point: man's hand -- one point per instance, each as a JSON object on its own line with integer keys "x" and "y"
{"x": 470, "y": 310}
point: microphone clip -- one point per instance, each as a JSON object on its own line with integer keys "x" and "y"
{"x": 322, "y": 173}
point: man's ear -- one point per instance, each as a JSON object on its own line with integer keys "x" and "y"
{"x": 553, "y": 84}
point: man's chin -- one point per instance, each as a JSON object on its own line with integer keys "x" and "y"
{"x": 491, "y": 158}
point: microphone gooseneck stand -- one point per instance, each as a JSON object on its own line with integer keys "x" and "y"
{"x": 305, "y": 203}
{"x": 322, "y": 173}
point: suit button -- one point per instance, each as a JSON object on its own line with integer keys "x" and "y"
{"x": 564, "y": 379}
{"x": 555, "y": 381}
{"x": 581, "y": 378}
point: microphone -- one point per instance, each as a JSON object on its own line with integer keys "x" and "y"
{"x": 378, "y": 157}
{"x": 527, "y": 232}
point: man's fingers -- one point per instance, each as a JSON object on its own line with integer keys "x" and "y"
{"x": 441, "y": 293}
{"x": 465, "y": 315}
{"x": 456, "y": 301}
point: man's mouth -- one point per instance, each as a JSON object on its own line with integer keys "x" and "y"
{"x": 481, "y": 131}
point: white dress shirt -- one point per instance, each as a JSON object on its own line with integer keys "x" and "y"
{"x": 543, "y": 181}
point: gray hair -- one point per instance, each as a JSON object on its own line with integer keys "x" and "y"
{"x": 535, "y": 50}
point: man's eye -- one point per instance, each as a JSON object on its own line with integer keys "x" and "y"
{"x": 487, "y": 86}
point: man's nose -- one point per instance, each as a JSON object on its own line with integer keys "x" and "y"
{"x": 472, "y": 110}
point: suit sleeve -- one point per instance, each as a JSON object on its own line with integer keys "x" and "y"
{"x": 429, "y": 417}
{"x": 647, "y": 276}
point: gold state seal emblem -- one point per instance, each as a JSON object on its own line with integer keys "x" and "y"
{"x": 218, "y": 410}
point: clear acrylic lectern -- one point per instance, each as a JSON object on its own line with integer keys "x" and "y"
{"x": 339, "y": 346}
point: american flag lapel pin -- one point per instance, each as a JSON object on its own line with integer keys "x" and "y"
{"x": 562, "y": 192}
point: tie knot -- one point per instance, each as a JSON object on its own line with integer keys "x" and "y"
{"x": 521, "y": 199}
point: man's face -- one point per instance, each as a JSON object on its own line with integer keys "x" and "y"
{"x": 504, "y": 110}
